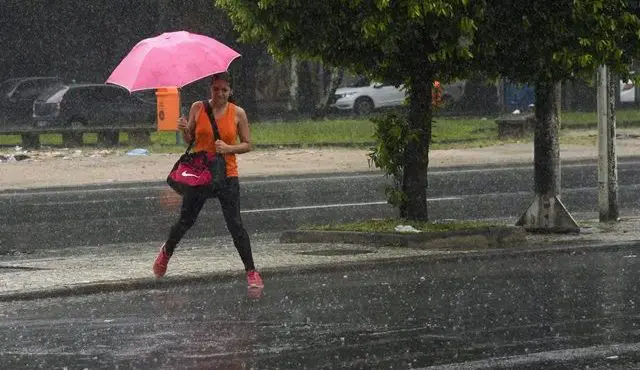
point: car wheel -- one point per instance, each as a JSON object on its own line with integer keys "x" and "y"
{"x": 76, "y": 123}
{"x": 73, "y": 139}
{"x": 31, "y": 141}
{"x": 139, "y": 138}
{"x": 447, "y": 100}
{"x": 363, "y": 106}
{"x": 109, "y": 138}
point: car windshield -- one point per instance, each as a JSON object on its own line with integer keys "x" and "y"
{"x": 360, "y": 82}
{"x": 53, "y": 94}
{"x": 147, "y": 96}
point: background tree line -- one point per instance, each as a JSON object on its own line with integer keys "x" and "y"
{"x": 85, "y": 40}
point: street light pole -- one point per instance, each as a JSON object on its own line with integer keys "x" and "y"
{"x": 607, "y": 160}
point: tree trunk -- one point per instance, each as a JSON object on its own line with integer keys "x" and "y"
{"x": 336, "y": 79}
{"x": 292, "y": 106}
{"x": 416, "y": 156}
{"x": 321, "y": 81}
{"x": 307, "y": 87}
{"x": 547, "y": 213}
{"x": 546, "y": 147}
{"x": 500, "y": 98}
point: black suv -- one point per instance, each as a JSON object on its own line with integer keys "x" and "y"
{"x": 16, "y": 99}
{"x": 92, "y": 106}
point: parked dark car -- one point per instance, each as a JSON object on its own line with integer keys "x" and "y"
{"x": 16, "y": 99}
{"x": 92, "y": 105}
{"x": 105, "y": 109}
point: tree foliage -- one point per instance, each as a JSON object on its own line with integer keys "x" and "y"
{"x": 418, "y": 41}
{"x": 407, "y": 41}
{"x": 543, "y": 43}
{"x": 555, "y": 40}
{"x": 383, "y": 39}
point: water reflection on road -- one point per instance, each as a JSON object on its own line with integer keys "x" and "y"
{"x": 397, "y": 315}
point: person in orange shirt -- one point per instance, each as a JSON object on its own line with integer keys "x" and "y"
{"x": 233, "y": 125}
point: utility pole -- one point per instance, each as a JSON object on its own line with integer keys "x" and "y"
{"x": 607, "y": 159}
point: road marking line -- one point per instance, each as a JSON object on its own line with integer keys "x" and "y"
{"x": 479, "y": 168}
{"x": 337, "y": 205}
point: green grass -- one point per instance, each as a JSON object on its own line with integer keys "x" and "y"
{"x": 351, "y": 132}
{"x": 448, "y": 133}
{"x": 313, "y": 132}
{"x": 360, "y": 131}
{"x": 388, "y": 225}
{"x": 586, "y": 120}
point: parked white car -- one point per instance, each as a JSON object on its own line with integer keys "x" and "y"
{"x": 627, "y": 92}
{"x": 454, "y": 91}
{"x": 362, "y": 97}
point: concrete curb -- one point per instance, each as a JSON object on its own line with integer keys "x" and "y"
{"x": 228, "y": 276}
{"x": 477, "y": 238}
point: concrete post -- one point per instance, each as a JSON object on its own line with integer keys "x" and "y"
{"x": 607, "y": 160}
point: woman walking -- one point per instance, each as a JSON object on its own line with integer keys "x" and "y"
{"x": 232, "y": 124}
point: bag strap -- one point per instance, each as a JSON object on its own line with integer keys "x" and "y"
{"x": 212, "y": 120}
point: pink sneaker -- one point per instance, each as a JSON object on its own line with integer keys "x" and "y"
{"x": 254, "y": 280}
{"x": 161, "y": 262}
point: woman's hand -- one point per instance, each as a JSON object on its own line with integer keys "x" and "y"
{"x": 222, "y": 147}
{"x": 182, "y": 124}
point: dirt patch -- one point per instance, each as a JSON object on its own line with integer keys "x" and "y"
{"x": 56, "y": 167}
{"x": 45, "y": 168}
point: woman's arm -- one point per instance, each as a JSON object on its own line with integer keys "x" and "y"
{"x": 190, "y": 131}
{"x": 243, "y": 132}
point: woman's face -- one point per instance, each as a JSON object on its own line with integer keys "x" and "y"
{"x": 220, "y": 91}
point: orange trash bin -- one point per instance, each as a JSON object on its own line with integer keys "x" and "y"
{"x": 168, "y": 108}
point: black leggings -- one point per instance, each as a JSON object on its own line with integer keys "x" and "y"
{"x": 230, "y": 202}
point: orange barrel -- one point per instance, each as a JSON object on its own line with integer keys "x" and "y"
{"x": 168, "y": 107}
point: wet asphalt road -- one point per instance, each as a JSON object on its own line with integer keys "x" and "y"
{"x": 560, "y": 311}
{"x": 99, "y": 215}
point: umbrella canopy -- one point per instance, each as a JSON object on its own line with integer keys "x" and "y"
{"x": 173, "y": 59}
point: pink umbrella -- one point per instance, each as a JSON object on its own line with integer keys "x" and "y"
{"x": 173, "y": 59}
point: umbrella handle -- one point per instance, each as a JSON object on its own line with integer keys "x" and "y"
{"x": 183, "y": 113}
{"x": 183, "y": 110}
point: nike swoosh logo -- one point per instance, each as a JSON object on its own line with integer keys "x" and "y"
{"x": 187, "y": 174}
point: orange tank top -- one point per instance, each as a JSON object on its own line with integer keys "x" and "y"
{"x": 228, "y": 127}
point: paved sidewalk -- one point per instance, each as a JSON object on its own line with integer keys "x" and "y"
{"x": 58, "y": 272}
{"x": 113, "y": 268}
